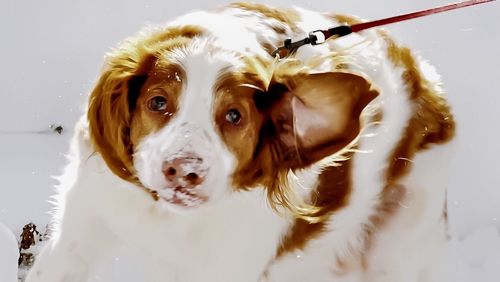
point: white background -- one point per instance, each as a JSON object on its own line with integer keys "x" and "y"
{"x": 51, "y": 53}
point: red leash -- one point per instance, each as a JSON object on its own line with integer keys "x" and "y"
{"x": 319, "y": 36}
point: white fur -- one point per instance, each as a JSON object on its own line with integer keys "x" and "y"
{"x": 191, "y": 130}
{"x": 234, "y": 238}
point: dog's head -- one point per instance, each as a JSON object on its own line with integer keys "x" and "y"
{"x": 192, "y": 121}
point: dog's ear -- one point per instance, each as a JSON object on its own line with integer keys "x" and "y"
{"x": 316, "y": 115}
{"x": 110, "y": 107}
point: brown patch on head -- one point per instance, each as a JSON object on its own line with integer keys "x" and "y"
{"x": 163, "y": 85}
{"x": 235, "y": 94}
{"x": 236, "y": 91}
{"x": 114, "y": 97}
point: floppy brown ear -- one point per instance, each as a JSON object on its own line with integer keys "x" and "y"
{"x": 110, "y": 107}
{"x": 318, "y": 114}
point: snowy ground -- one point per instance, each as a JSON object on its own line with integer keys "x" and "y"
{"x": 8, "y": 255}
{"x": 52, "y": 52}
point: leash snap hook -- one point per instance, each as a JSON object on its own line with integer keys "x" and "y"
{"x": 290, "y": 46}
{"x": 317, "y": 37}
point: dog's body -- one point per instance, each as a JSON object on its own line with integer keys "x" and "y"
{"x": 379, "y": 190}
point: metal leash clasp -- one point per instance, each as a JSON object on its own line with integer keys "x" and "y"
{"x": 316, "y": 37}
{"x": 289, "y": 46}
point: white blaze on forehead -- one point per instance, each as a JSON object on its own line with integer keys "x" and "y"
{"x": 202, "y": 66}
{"x": 192, "y": 131}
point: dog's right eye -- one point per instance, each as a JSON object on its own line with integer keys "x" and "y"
{"x": 233, "y": 116}
{"x": 157, "y": 104}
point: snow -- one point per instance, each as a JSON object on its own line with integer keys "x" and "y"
{"x": 55, "y": 51}
{"x": 475, "y": 258}
{"x": 8, "y": 255}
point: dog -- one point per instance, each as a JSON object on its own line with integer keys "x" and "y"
{"x": 220, "y": 162}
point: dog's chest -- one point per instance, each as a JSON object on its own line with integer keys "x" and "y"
{"x": 232, "y": 241}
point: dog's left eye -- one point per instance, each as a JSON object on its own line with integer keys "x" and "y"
{"x": 158, "y": 104}
{"x": 233, "y": 116}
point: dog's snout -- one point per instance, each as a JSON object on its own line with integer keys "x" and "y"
{"x": 184, "y": 172}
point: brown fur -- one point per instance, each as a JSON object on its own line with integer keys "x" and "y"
{"x": 232, "y": 93}
{"x": 431, "y": 123}
{"x": 109, "y": 112}
{"x": 162, "y": 81}
{"x": 331, "y": 194}
{"x": 389, "y": 204}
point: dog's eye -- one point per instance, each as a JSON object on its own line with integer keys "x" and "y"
{"x": 158, "y": 104}
{"x": 233, "y": 116}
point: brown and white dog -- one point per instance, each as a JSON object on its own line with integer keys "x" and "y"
{"x": 221, "y": 163}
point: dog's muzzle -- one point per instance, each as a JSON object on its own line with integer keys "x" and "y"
{"x": 185, "y": 166}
